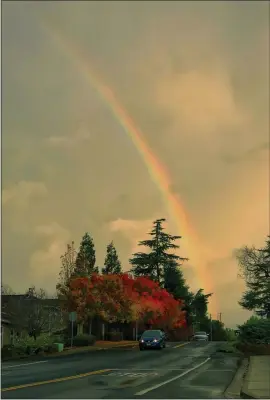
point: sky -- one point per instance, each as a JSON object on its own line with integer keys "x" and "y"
{"x": 194, "y": 76}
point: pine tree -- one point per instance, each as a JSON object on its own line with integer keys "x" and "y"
{"x": 195, "y": 304}
{"x": 174, "y": 281}
{"x": 153, "y": 264}
{"x": 199, "y": 304}
{"x": 255, "y": 269}
{"x": 112, "y": 264}
{"x": 86, "y": 257}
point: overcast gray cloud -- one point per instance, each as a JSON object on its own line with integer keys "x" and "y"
{"x": 194, "y": 76}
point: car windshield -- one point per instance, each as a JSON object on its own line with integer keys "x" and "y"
{"x": 151, "y": 334}
{"x": 201, "y": 333}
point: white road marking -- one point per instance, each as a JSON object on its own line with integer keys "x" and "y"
{"x": 132, "y": 374}
{"x": 23, "y": 365}
{"x": 149, "y": 369}
{"x": 142, "y": 392}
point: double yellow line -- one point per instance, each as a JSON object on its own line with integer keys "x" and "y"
{"x": 67, "y": 378}
{"x": 180, "y": 345}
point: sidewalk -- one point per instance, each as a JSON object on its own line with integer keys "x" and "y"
{"x": 99, "y": 345}
{"x": 257, "y": 381}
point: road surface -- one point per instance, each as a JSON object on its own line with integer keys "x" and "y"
{"x": 193, "y": 370}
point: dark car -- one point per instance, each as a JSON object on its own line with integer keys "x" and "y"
{"x": 152, "y": 339}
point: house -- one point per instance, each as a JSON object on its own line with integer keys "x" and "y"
{"x": 7, "y": 331}
{"x": 22, "y": 313}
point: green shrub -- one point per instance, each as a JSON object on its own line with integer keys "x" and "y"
{"x": 43, "y": 340}
{"x": 230, "y": 335}
{"x": 9, "y": 351}
{"x": 82, "y": 340}
{"x": 256, "y": 331}
{"x": 254, "y": 349}
{"x": 228, "y": 347}
{"x": 115, "y": 336}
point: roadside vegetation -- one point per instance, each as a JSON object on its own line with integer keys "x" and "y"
{"x": 254, "y": 336}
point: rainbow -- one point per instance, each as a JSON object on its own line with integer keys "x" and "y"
{"x": 156, "y": 170}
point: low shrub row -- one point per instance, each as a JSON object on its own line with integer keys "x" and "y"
{"x": 256, "y": 331}
{"x": 254, "y": 349}
{"x": 43, "y": 345}
{"x": 81, "y": 341}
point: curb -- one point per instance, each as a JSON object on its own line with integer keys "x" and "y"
{"x": 234, "y": 390}
{"x": 245, "y": 393}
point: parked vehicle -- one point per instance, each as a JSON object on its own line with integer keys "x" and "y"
{"x": 152, "y": 339}
{"x": 200, "y": 336}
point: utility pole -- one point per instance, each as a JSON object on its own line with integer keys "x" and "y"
{"x": 219, "y": 316}
{"x": 211, "y": 329}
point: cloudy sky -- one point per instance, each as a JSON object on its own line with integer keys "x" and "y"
{"x": 195, "y": 79}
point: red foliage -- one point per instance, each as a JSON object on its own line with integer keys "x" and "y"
{"x": 123, "y": 298}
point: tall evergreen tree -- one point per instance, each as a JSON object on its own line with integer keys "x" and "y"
{"x": 255, "y": 269}
{"x": 199, "y": 304}
{"x": 196, "y": 304}
{"x": 153, "y": 264}
{"x": 86, "y": 257}
{"x": 112, "y": 264}
{"x": 174, "y": 281}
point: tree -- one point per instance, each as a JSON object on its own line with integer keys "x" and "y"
{"x": 112, "y": 264}
{"x": 218, "y": 331}
{"x": 153, "y": 264}
{"x": 255, "y": 269}
{"x": 67, "y": 270}
{"x": 230, "y": 335}
{"x": 174, "y": 281}
{"x": 199, "y": 304}
{"x": 86, "y": 257}
{"x": 6, "y": 290}
{"x": 119, "y": 297}
{"x": 32, "y": 311}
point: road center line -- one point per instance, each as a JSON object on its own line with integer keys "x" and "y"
{"x": 142, "y": 392}
{"x": 66, "y": 378}
{"x": 180, "y": 345}
{"x": 22, "y": 365}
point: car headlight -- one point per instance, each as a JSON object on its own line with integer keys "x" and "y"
{"x": 142, "y": 340}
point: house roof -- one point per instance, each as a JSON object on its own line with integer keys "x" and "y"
{"x": 22, "y": 297}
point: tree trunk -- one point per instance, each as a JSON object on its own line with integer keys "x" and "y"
{"x": 90, "y": 326}
{"x": 80, "y": 329}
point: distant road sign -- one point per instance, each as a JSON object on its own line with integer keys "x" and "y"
{"x": 73, "y": 316}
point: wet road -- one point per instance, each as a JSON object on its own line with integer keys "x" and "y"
{"x": 194, "y": 370}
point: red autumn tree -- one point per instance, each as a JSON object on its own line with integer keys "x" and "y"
{"x": 100, "y": 295}
{"x": 123, "y": 298}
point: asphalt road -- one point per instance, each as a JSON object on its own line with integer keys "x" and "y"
{"x": 194, "y": 370}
